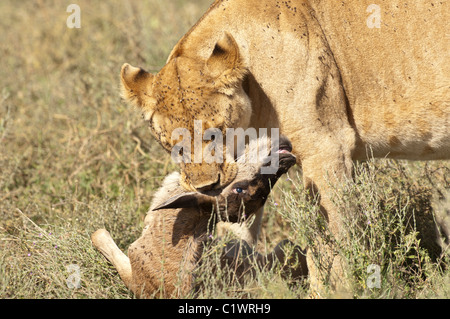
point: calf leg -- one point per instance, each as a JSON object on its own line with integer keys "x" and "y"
{"x": 247, "y": 231}
{"x": 102, "y": 240}
{"x": 244, "y": 258}
{"x": 294, "y": 265}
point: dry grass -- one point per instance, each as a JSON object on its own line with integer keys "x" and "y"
{"x": 74, "y": 158}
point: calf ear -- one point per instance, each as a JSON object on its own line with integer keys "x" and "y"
{"x": 188, "y": 200}
{"x": 225, "y": 65}
{"x": 136, "y": 82}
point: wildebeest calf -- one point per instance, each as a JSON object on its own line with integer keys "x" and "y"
{"x": 180, "y": 224}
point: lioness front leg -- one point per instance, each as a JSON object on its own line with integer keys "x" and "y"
{"x": 324, "y": 175}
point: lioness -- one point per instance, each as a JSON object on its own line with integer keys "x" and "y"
{"x": 336, "y": 86}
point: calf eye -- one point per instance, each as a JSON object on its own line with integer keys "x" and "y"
{"x": 241, "y": 187}
{"x": 239, "y": 190}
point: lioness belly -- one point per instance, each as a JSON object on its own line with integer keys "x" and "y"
{"x": 415, "y": 131}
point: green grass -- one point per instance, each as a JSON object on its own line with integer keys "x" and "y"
{"x": 75, "y": 158}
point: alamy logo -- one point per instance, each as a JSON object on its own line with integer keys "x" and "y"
{"x": 374, "y": 20}
{"x": 235, "y": 140}
{"x": 74, "y": 20}
{"x": 374, "y": 280}
{"x": 74, "y": 280}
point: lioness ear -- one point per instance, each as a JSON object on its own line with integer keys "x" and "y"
{"x": 135, "y": 82}
{"x": 225, "y": 64}
{"x": 188, "y": 200}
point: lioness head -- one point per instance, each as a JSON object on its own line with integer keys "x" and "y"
{"x": 188, "y": 89}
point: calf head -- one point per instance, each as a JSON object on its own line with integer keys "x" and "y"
{"x": 249, "y": 189}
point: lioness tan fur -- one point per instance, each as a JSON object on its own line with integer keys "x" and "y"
{"x": 339, "y": 88}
